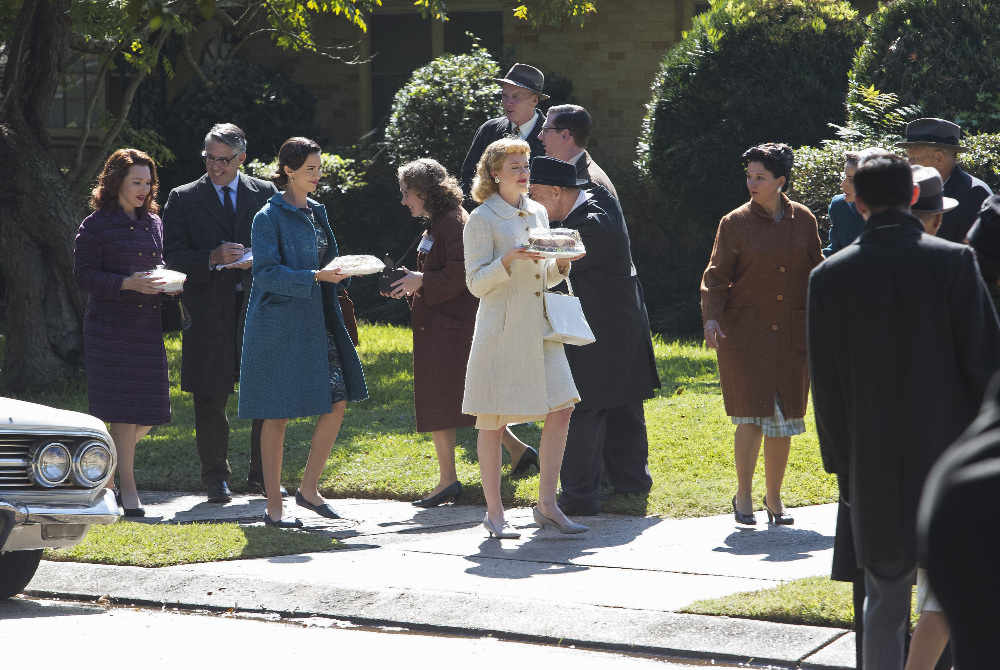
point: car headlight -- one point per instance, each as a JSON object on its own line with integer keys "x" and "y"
{"x": 91, "y": 463}
{"x": 50, "y": 463}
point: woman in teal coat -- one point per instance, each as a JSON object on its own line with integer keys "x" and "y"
{"x": 294, "y": 326}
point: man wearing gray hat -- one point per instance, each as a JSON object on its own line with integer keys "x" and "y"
{"x": 934, "y": 143}
{"x": 607, "y": 432}
{"x": 931, "y": 206}
{"x": 521, "y": 91}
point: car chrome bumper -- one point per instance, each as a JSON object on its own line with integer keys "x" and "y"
{"x": 104, "y": 510}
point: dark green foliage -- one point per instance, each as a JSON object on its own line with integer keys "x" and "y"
{"x": 748, "y": 71}
{"x": 261, "y": 100}
{"x": 940, "y": 54}
{"x": 436, "y": 114}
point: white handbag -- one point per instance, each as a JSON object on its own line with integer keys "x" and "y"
{"x": 567, "y": 323}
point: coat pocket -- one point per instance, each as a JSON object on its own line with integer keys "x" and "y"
{"x": 797, "y": 325}
{"x": 739, "y": 325}
{"x": 275, "y": 299}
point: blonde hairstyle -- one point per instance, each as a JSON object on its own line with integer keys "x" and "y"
{"x": 491, "y": 161}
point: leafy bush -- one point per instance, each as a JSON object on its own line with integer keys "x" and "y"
{"x": 436, "y": 114}
{"x": 261, "y": 100}
{"x": 939, "y": 54}
{"x": 748, "y": 71}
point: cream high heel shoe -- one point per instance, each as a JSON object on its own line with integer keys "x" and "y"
{"x": 570, "y": 528}
{"x": 504, "y": 533}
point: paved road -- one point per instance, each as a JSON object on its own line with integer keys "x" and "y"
{"x": 171, "y": 638}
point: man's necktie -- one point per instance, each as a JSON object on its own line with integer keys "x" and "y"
{"x": 227, "y": 199}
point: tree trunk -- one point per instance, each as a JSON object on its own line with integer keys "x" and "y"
{"x": 38, "y": 218}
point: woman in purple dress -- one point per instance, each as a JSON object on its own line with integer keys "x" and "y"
{"x": 116, "y": 248}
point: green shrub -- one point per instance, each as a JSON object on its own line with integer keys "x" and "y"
{"x": 436, "y": 114}
{"x": 748, "y": 71}
{"x": 939, "y": 54}
{"x": 261, "y": 100}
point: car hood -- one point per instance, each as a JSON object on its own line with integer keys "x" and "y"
{"x": 20, "y": 415}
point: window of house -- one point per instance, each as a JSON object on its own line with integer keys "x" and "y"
{"x": 71, "y": 97}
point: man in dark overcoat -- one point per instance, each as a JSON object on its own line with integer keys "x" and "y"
{"x": 957, "y": 543}
{"x": 935, "y": 143}
{"x": 902, "y": 342}
{"x": 607, "y": 432}
{"x": 206, "y": 224}
{"x": 521, "y": 91}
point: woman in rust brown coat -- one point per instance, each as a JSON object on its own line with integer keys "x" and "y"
{"x": 443, "y": 315}
{"x": 753, "y": 304}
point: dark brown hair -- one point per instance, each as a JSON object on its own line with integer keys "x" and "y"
{"x": 776, "y": 159}
{"x": 575, "y": 119}
{"x": 109, "y": 184}
{"x": 293, "y": 153}
{"x": 429, "y": 180}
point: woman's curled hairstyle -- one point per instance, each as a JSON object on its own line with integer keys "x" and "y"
{"x": 777, "y": 159}
{"x": 432, "y": 183}
{"x": 109, "y": 183}
{"x": 491, "y": 161}
{"x": 293, "y": 153}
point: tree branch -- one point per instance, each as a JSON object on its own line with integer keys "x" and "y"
{"x": 83, "y": 178}
{"x": 195, "y": 68}
{"x": 88, "y": 115}
{"x": 78, "y": 42}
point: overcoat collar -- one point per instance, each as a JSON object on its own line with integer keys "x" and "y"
{"x": 890, "y": 225}
{"x": 760, "y": 211}
{"x": 504, "y": 210}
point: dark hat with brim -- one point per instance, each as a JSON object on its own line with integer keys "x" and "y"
{"x": 932, "y": 199}
{"x": 936, "y": 133}
{"x": 548, "y": 171}
{"x": 527, "y": 77}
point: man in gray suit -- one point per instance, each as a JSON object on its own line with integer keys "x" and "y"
{"x": 206, "y": 231}
{"x": 565, "y": 135}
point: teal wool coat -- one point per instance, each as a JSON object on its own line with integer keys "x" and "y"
{"x": 284, "y": 369}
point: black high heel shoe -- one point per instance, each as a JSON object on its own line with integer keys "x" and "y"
{"x": 783, "y": 519}
{"x": 453, "y": 491}
{"x": 131, "y": 512}
{"x": 748, "y": 519}
{"x": 528, "y": 458}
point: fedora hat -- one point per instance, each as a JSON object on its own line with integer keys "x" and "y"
{"x": 527, "y": 77}
{"x": 548, "y": 171}
{"x": 932, "y": 200}
{"x": 936, "y": 133}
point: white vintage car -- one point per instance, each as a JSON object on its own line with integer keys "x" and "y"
{"x": 54, "y": 465}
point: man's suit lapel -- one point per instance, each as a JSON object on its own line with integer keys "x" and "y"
{"x": 209, "y": 199}
{"x": 245, "y": 203}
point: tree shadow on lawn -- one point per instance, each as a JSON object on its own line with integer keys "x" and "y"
{"x": 700, "y": 373}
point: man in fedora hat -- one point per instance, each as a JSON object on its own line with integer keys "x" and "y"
{"x": 932, "y": 204}
{"x": 521, "y": 91}
{"x": 934, "y": 143}
{"x": 984, "y": 237}
{"x": 607, "y": 432}
{"x": 902, "y": 341}
{"x": 565, "y": 134}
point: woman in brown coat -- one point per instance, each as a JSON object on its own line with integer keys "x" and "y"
{"x": 443, "y": 315}
{"x": 753, "y": 303}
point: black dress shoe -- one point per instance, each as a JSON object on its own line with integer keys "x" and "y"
{"x": 284, "y": 522}
{"x": 219, "y": 492}
{"x": 323, "y": 510}
{"x": 569, "y": 509}
{"x": 255, "y": 484}
{"x": 453, "y": 491}
{"x": 528, "y": 458}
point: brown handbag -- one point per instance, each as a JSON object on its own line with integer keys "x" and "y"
{"x": 347, "y": 311}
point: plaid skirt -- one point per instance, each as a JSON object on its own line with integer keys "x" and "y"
{"x": 777, "y": 425}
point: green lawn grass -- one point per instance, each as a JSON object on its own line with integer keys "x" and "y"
{"x": 379, "y": 454}
{"x": 812, "y": 601}
{"x": 159, "y": 545}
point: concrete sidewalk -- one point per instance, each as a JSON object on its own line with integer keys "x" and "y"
{"x": 617, "y": 586}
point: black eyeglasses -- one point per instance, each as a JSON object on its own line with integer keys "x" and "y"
{"x": 544, "y": 128}
{"x": 221, "y": 161}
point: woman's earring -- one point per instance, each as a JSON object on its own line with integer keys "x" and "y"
{"x": 496, "y": 179}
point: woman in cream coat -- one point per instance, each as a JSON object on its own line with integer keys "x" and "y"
{"x": 514, "y": 376}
